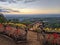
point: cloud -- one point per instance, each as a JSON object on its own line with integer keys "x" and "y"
{"x": 8, "y": 10}
{"x": 11, "y": 10}
{"x": 3, "y": 0}
{"x": 28, "y": 1}
{"x": 10, "y": 1}
{"x": 16, "y": 1}
{"x": 3, "y": 10}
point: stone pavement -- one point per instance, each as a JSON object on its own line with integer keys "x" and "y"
{"x": 31, "y": 40}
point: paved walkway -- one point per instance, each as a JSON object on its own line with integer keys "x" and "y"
{"x": 31, "y": 40}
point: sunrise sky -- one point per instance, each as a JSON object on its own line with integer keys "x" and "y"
{"x": 30, "y": 6}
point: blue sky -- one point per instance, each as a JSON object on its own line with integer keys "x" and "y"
{"x": 30, "y": 6}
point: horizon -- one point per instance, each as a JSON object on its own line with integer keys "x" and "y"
{"x": 33, "y": 16}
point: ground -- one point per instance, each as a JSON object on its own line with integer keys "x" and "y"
{"x": 31, "y": 40}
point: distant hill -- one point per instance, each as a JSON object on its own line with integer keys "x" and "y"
{"x": 32, "y": 15}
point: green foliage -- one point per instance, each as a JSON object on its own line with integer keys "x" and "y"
{"x": 27, "y": 22}
{"x": 2, "y": 18}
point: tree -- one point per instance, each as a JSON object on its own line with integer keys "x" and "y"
{"x": 2, "y": 18}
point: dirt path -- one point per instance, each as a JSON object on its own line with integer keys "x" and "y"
{"x": 31, "y": 40}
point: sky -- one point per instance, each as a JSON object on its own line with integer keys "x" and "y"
{"x": 30, "y": 6}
